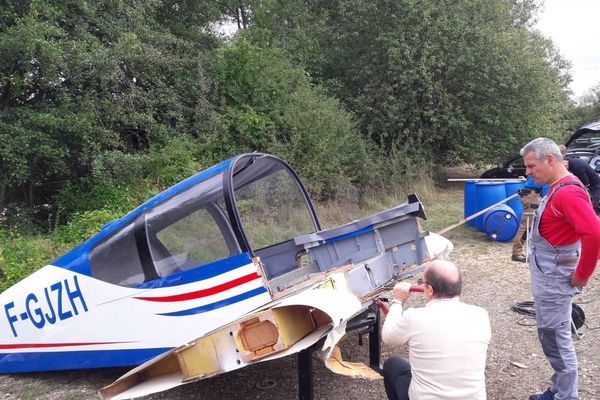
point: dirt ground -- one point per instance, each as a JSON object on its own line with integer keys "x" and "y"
{"x": 491, "y": 280}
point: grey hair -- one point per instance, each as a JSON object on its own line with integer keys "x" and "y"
{"x": 542, "y": 147}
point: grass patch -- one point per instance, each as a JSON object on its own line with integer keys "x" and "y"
{"x": 443, "y": 207}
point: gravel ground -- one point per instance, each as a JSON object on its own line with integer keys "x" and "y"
{"x": 490, "y": 280}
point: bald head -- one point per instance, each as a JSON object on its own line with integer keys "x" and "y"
{"x": 444, "y": 278}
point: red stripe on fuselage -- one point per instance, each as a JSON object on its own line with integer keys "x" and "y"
{"x": 204, "y": 292}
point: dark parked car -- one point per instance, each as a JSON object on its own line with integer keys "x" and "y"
{"x": 513, "y": 168}
{"x": 583, "y": 143}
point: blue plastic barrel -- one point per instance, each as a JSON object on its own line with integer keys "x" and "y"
{"x": 511, "y": 188}
{"x": 500, "y": 223}
{"x": 487, "y": 194}
{"x": 469, "y": 200}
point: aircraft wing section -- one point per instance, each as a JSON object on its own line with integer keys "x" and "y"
{"x": 284, "y": 327}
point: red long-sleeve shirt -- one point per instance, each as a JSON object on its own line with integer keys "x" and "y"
{"x": 569, "y": 217}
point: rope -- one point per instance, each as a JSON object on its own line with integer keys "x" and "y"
{"x": 528, "y": 308}
{"x": 524, "y": 308}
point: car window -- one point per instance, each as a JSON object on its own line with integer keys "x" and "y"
{"x": 589, "y": 139}
{"x": 516, "y": 162}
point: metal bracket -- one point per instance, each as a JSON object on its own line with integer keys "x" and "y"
{"x": 370, "y": 320}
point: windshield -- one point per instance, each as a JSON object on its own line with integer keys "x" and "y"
{"x": 271, "y": 204}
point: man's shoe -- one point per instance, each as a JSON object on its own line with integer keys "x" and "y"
{"x": 547, "y": 395}
{"x": 518, "y": 258}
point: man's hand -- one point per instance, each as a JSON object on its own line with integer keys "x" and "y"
{"x": 401, "y": 291}
{"x": 382, "y": 306}
{"x": 578, "y": 282}
{"x": 523, "y": 192}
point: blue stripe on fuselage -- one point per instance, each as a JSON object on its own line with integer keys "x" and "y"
{"x": 62, "y": 360}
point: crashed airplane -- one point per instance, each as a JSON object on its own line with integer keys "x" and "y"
{"x": 225, "y": 269}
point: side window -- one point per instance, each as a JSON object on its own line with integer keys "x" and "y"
{"x": 517, "y": 163}
{"x": 188, "y": 242}
{"x": 190, "y": 229}
{"x": 116, "y": 260}
{"x": 182, "y": 232}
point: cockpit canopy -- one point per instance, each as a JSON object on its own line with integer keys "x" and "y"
{"x": 252, "y": 204}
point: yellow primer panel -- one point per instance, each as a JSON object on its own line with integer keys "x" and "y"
{"x": 199, "y": 359}
{"x": 294, "y": 323}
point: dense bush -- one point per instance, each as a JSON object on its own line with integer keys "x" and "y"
{"x": 20, "y": 255}
{"x": 448, "y": 81}
{"x": 266, "y": 104}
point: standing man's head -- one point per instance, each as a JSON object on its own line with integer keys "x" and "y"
{"x": 563, "y": 153}
{"x": 563, "y": 150}
{"x": 543, "y": 161}
{"x": 442, "y": 280}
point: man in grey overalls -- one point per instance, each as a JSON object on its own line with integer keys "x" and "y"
{"x": 564, "y": 244}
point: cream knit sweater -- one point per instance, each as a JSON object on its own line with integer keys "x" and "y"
{"x": 447, "y": 342}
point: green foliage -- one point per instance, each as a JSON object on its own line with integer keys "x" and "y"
{"x": 588, "y": 107}
{"x": 104, "y": 103}
{"x": 323, "y": 145}
{"x": 83, "y": 225}
{"x": 269, "y": 105}
{"x": 174, "y": 161}
{"x": 20, "y": 218}
{"x": 447, "y": 80}
{"x": 86, "y": 86}
{"x": 93, "y": 194}
{"x": 21, "y": 255}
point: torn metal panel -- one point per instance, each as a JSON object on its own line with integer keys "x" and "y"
{"x": 337, "y": 364}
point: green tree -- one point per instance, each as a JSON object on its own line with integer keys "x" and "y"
{"x": 266, "y": 104}
{"x": 588, "y": 106}
{"x": 446, "y": 80}
{"x": 84, "y": 79}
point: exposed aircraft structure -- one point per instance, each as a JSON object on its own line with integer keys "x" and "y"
{"x": 224, "y": 269}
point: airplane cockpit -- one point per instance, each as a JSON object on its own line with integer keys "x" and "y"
{"x": 253, "y": 204}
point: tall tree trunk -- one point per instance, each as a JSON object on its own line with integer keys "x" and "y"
{"x": 2, "y": 196}
{"x": 242, "y": 13}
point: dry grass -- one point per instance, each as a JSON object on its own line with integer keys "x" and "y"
{"x": 443, "y": 207}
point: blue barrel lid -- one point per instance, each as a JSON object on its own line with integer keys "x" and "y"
{"x": 500, "y": 223}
